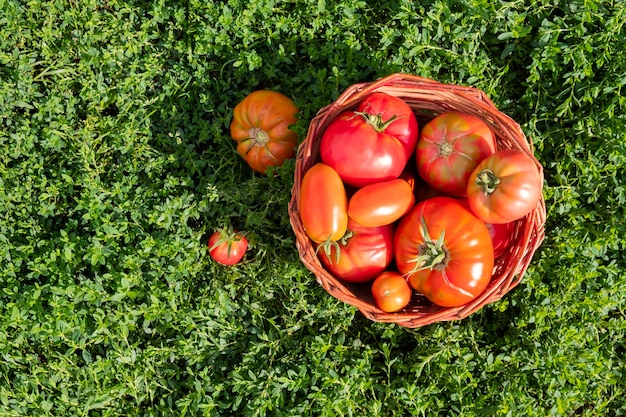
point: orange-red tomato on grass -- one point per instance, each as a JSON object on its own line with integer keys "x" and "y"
{"x": 362, "y": 254}
{"x": 260, "y": 126}
{"x": 227, "y": 247}
{"x": 391, "y": 291}
{"x": 381, "y": 203}
{"x": 449, "y": 147}
{"x": 323, "y": 204}
{"x": 504, "y": 187}
{"x": 372, "y": 143}
{"x": 445, "y": 252}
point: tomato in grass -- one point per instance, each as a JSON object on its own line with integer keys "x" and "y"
{"x": 370, "y": 144}
{"x": 260, "y": 126}
{"x": 323, "y": 204}
{"x": 227, "y": 247}
{"x": 505, "y": 187}
{"x": 391, "y": 291}
{"x": 449, "y": 147}
{"x": 445, "y": 252}
{"x": 362, "y": 253}
{"x": 381, "y": 203}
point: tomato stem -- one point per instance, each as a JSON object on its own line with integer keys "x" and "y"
{"x": 487, "y": 180}
{"x": 376, "y": 120}
{"x": 431, "y": 254}
{"x": 259, "y": 135}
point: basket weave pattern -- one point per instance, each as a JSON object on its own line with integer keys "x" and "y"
{"x": 426, "y": 98}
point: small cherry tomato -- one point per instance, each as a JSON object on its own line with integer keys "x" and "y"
{"x": 391, "y": 291}
{"x": 227, "y": 247}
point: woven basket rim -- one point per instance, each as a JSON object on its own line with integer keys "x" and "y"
{"x": 427, "y": 98}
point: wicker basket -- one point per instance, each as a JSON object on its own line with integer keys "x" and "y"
{"x": 427, "y": 98}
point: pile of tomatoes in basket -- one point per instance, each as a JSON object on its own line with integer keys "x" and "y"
{"x": 407, "y": 208}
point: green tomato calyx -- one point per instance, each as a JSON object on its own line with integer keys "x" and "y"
{"x": 376, "y": 120}
{"x": 259, "y": 135}
{"x": 487, "y": 180}
{"x": 432, "y": 254}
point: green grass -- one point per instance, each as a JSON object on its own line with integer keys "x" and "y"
{"x": 116, "y": 164}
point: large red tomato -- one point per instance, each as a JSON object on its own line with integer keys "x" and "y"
{"x": 504, "y": 187}
{"x": 364, "y": 252}
{"x": 445, "y": 251}
{"x": 450, "y": 146}
{"x": 362, "y": 145}
{"x": 381, "y": 203}
{"x": 391, "y": 292}
{"x": 261, "y": 127}
{"x": 397, "y": 117}
{"x": 323, "y": 204}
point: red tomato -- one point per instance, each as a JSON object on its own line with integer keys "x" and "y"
{"x": 323, "y": 204}
{"x": 501, "y": 236}
{"x": 391, "y": 292}
{"x": 504, "y": 187}
{"x": 361, "y": 145}
{"x": 261, "y": 127}
{"x": 450, "y": 146}
{"x": 381, "y": 203}
{"x": 445, "y": 251}
{"x": 227, "y": 247}
{"x": 384, "y": 107}
{"x": 364, "y": 252}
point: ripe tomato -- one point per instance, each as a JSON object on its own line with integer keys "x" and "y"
{"x": 391, "y": 292}
{"x": 384, "y": 107}
{"x": 227, "y": 247}
{"x": 261, "y": 127}
{"x": 445, "y": 251}
{"x": 501, "y": 236}
{"x": 381, "y": 203}
{"x": 449, "y": 147}
{"x": 504, "y": 187}
{"x": 364, "y": 252}
{"x": 361, "y": 145}
{"x": 323, "y": 204}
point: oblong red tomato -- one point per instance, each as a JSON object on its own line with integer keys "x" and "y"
{"x": 504, "y": 187}
{"x": 323, "y": 204}
{"x": 445, "y": 252}
{"x": 381, "y": 203}
{"x": 260, "y": 126}
{"x": 391, "y": 292}
{"x": 364, "y": 253}
{"x": 449, "y": 147}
